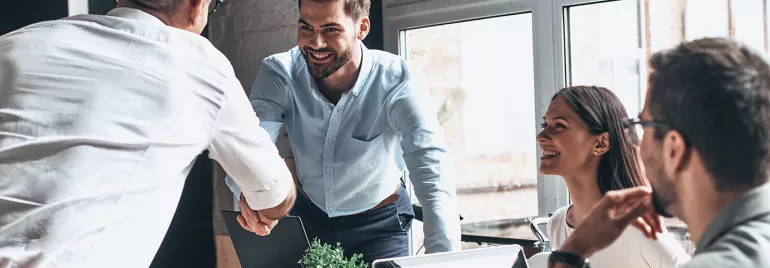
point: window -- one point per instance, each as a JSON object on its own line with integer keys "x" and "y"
{"x": 749, "y": 24}
{"x": 679, "y": 20}
{"x": 614, "y": 54}
{"x": 606, "y": 54}
{"x": 704, "y": 18}
{"x": 487, "y": 109}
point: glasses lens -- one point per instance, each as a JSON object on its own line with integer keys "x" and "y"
{"x": 636, "y": 134}
{"x": 633, "y": 133}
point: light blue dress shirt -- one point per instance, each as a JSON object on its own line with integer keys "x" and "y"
{"x": 351, "y": 156}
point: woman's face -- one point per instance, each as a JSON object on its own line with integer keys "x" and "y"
{"x": 567, "y": 144}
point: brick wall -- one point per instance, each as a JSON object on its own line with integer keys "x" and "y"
{"x": 247, "y": 31}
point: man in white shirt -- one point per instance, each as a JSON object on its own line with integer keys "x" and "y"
{"x": 101, "y": 118}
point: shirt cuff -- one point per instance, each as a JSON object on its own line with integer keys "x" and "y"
{"x": 270, "y": 198}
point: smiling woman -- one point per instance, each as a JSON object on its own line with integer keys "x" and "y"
{"x": 588, "y": 123}
{"x": 585, "y": 142}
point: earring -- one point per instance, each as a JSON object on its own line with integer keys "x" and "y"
{"x": 596, "y": 152}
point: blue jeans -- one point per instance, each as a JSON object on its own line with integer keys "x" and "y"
{"x": 377, "y": 234}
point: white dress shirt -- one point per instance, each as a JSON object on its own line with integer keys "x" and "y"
{"x": 631, "y": 250}
{"x": 101, "y": 118}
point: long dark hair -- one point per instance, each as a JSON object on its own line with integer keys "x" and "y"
{"x": 602, "y": 111}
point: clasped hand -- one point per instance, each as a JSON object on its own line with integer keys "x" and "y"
{"x": 253, "y": 220}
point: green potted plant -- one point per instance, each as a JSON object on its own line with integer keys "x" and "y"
{"x": 322, "y": 255}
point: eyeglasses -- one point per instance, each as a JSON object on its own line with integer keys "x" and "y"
{"x": 214, "y": 5}
{"x": 635, "y": 128}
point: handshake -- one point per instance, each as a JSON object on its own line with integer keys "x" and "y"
{"x": 262, "y": 222}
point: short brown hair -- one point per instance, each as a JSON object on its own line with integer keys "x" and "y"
{"x": 353, "y": 8}
{"x": 716, "y": 93}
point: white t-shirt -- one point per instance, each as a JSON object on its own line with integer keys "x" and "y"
{"x": 101, "y": 118}
{"x": 631, "y": 250}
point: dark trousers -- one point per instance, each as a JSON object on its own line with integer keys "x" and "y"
{"x": 377, "y": 234}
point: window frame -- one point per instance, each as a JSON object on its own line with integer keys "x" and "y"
{"x": 549, "y": 54}
{"x": 559, "y": 18}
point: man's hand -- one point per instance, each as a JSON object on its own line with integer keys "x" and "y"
{"x": 649, "y": 222}
{"x": 254, "y": 221}
{"x": 609, "y": 218}
{"x": 262, "y": 222}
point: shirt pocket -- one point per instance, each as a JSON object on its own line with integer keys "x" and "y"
{"x": 364, "y": 153}
{"x": 366, "y": 138}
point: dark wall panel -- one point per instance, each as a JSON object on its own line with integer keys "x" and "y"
{"x": 100, "y": 7}
{"x": 375, "y": 39}
{"x": 17, "y": 14}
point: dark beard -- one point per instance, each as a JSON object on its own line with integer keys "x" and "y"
{"x": 659, "y": 205}
{"x": 324, "y": 71}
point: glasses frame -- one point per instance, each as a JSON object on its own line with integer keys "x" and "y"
{"x": 216, "y": 5}
{"x": 635, "y": 133}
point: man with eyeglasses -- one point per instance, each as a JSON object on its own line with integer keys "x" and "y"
{"x": 101, "y": 118}
{"x": 704, "y": 137}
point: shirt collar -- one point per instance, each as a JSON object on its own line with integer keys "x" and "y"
{"x": 134, "y": 14}
{"x": 751, "y": 205}
{"x": 366, "y": 67}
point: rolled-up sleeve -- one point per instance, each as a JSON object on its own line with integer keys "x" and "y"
{"x": 247, "y": 153}
{"x": 267, "y": 99}
{"x": 413, "y": 116}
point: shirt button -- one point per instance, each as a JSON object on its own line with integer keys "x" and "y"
{"x": 330, "y": 190}
{"x": 331, "y": 140}
{"x": 327, "y": 169}
{"x": 331, "y": 110}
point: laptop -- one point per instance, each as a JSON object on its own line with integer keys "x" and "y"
{"x": 511, "y": 256}
{"x": 284, "y": 247}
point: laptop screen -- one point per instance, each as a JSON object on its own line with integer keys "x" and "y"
{"x": 493, "y": 257}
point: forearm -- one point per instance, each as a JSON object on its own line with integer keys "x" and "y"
{"x": 441, "y": 223}
{"x": 571, "y": 246}
{"x": 575, "y": 246}
{"x": 436, "y": 193}
{"x": 411, "y": 114}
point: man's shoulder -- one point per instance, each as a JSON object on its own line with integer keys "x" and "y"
{"x": 728, "y": 259}
{"x": 744, "y": 245}
{"x": 390, "y": 64}
{"x": 44, "y": 29}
